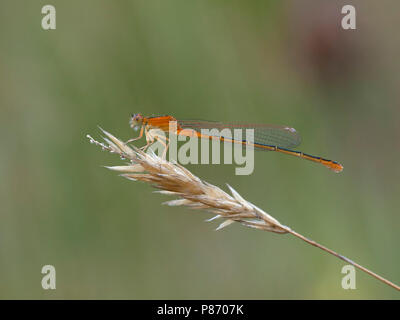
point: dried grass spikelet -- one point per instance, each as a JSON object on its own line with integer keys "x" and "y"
{"x": 173, "y": 179}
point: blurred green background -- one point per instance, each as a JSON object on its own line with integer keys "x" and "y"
{"x": 281, "y": 62}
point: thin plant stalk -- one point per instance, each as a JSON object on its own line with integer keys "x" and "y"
{"x": 330, "y": 251}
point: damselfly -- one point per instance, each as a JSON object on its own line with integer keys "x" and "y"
{"x": 266, "y": 137}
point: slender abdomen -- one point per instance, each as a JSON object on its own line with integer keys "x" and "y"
{"x": 333, "y": 165}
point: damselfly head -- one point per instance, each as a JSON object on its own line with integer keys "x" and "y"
{"x": 136, "y": 121}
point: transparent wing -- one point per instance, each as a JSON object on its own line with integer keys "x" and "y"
{"x": 264, "y": 134}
